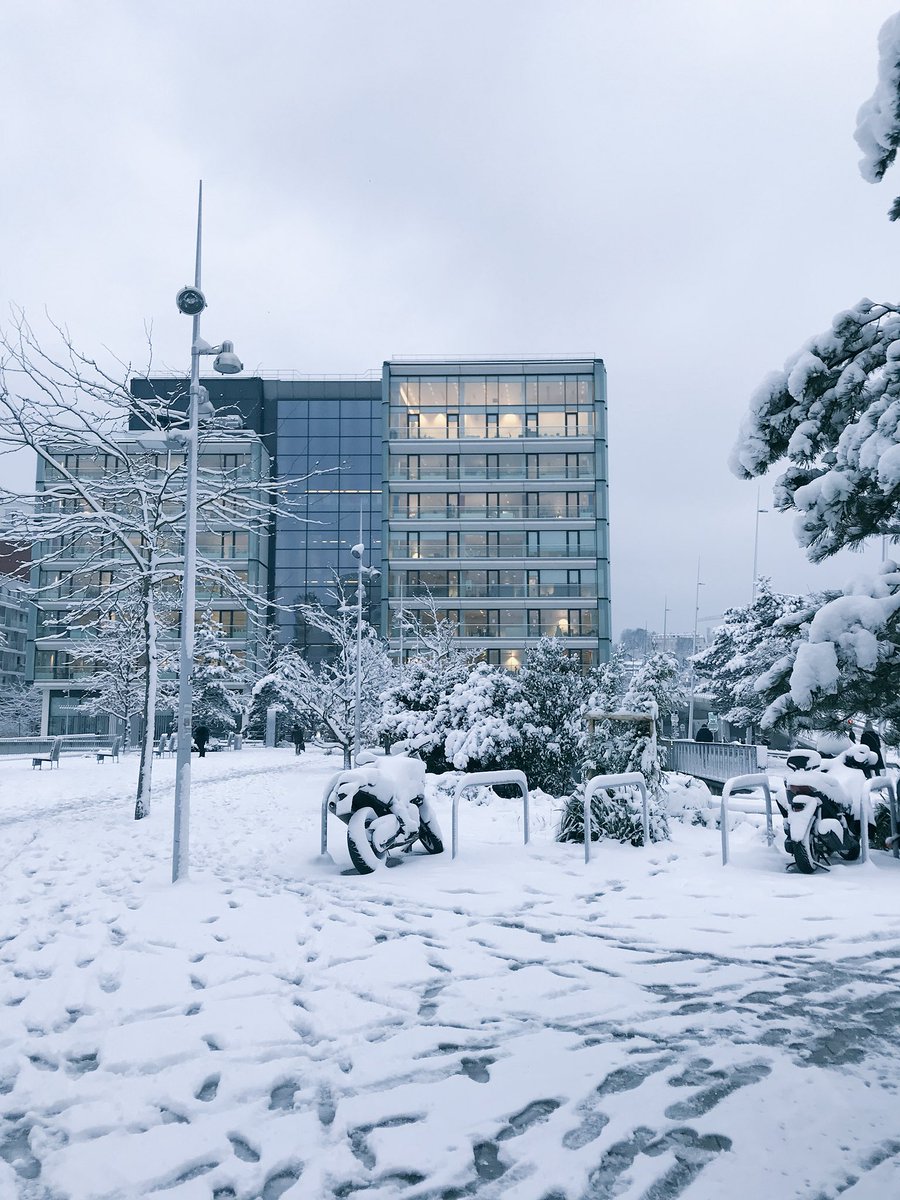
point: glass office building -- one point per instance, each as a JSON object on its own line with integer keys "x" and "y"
{"x": 328, "y": 436}
{"x": 496, "y": 501}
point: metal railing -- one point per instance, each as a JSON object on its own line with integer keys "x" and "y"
{"x": 715, "y": 761}
{"x": 70, "y": 743}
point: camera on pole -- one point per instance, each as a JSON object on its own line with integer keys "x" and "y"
{"x": 190, "y": 301}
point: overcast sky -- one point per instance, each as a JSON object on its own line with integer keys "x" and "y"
{"x": 670, "y": 185}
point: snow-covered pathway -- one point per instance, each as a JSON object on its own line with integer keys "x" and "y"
{"x": 513, "y": 1024}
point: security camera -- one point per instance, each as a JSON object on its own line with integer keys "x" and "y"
{"x": 190, "y": 301}
{"x": 358, "y": 550}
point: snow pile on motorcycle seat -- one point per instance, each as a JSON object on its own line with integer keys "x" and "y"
{"x": 825, "y": 784}
{"x": 395, "y": 780}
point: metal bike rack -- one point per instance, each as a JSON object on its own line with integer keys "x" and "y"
{"x": 737, "y": 784}
{"x": 598, "y": 784}
{"x": 479, "y": 779}
{"x": 881, "y": 783}
{"x": 323, "y": 848}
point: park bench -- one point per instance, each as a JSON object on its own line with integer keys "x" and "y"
{"x": 166, "y": 744}
{"x": 110, "y": 751}
{"x": 53, "y": 757}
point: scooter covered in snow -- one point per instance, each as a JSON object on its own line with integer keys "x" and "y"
{"x": 383, "y": 805}
{"x": 824, "y": 806}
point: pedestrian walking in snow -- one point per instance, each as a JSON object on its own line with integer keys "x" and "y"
{"x": 298, "y": 739}
{"x": 872, "y": 741}
{"x": 703, "y": 734}
{"x": 201, "y": 737}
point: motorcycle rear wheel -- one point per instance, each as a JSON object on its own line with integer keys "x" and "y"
{"x": 430, "y": 831}
{"x": 363, "y": 854}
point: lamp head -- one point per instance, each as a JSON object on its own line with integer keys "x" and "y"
{"x": 190, "y": 301}
{"x": 226, "y": 361}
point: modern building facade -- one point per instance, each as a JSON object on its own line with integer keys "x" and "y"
{"x": 74, "y": 575}
{"x": 13, "y": 630}
{"x": 496, "y": 504}
{"x": 482, "y": 485}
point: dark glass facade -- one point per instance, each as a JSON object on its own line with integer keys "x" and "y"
{"x": 328, "y": 436}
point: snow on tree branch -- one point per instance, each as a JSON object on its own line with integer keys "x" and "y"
{"x": 878, "y": 120}
{"x": 833, "y": 415}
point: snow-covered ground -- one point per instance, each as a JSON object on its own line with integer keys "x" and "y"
{"x": 512, "y": 1024}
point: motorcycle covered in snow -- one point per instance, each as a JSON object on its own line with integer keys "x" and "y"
{"x": 824, "y": 805}
{"x": 382, "y": 803}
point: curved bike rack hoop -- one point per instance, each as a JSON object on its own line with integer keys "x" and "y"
{"x": 737, "y": 784}
{"x": 601, "y": 782}
{"x": 323, "y": 848}
{"x": 881, "y": 783}
{"x": 479, "y": 779}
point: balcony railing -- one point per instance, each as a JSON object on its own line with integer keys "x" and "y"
{"x": 498, "y": 591}
{"x": 459, "y": 512}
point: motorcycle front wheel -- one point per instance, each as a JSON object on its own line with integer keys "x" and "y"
{"x": 803, "y": 857}
{"x": 363, "y": 854}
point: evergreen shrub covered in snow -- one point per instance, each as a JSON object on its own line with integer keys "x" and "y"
{"x": 617, "y": 816}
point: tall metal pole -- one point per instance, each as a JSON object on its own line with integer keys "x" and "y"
{"x": 756, "y": 545}
{"x": 359, "y": 585}
{"x": 181, "y": 839}
{"x": 690, "y": 728}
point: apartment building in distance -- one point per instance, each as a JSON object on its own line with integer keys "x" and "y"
{"x": 496, "y": 501}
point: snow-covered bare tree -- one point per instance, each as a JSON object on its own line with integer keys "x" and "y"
{"x": 326, "y": 692}
{"x": 20, "y": 709}
{"x": 115, "y": 649}
{"x": 105, "y": 522}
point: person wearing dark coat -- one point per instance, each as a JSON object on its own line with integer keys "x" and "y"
{"x": 703, "y": 734}
{"x": 870, "y": 739}
{"x": 298, "y": 738}
{"x": 201, "y": 737}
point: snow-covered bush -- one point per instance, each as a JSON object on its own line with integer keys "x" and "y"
{"x": 556, "y": 690}
{"x": 616, "y": 815}
{"x": 688, "y": 800}
{"x": 619, "y": 746}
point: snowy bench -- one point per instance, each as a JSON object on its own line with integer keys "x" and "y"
{"x": 110, "y": 751}
{"x": 38, "y": 760}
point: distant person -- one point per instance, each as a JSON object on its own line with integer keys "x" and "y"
{"x": 201, "y": 737}
{"x": 703, "y": 734}
{"x": 298, "y": 738}
{"x": 870, "y": 739}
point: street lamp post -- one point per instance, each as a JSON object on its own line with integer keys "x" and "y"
{"x": 690, "y": 728}
{"x": 191, "y": 302}
{"x": 756, "y": 545}
{"x": 358, "y": 551}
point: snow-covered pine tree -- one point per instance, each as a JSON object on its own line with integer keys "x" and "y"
{"x": 878, "y": 121}
{"x": 218, "y": 679}
{"x": 557, "y": 690}
{"x": 414, "y": 704}
{"x": 831, "y": 416}
{"x": 745, "y": 647}
{"x": 655, "y": 687}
